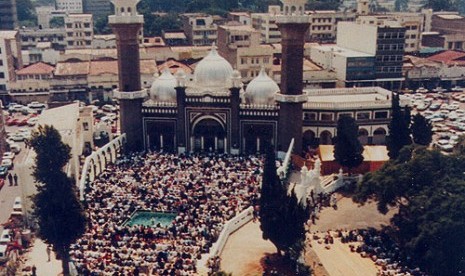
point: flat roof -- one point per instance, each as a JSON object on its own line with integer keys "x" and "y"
{"x": 341, "y": 51}
{"x": 449, "y": 16}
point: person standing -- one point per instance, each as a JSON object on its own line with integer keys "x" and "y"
{"x": 49, "y": 251}
{"x": 10, "y": 179}
{"x": 34, "y": 270}
{"x": 15, "y": 177}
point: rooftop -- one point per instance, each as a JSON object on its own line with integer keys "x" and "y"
{"x": 450, "y": 16}
{"x": 39, "y": 68}
{"x": 341, "y": 51}
{"x": 8, "y": 34}
{"x": 449, "y": 57}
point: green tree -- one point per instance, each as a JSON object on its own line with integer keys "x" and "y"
{"x": 26, "y": 12}
{"x": 272, "y": 211}
{"x": 399, "y": 128}
{"x": 60, "y": 215}
{"x": 323, "y": 4}
{"x": 429, "y": 190}
{"x": 459, "y": 148}
{"x": 401, "y": 5}
{"x": 422, "y": 130}
{"x": 348, "y": 151}
{"x": 57, "y": 22}
{"x": 101, "y": 25}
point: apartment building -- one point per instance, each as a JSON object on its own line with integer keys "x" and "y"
{"x": 71, "y": 6}
{"x": 240, "y": 46}
{"x": 200, "y": 29}
{"x": 10, "y": 59}
{"x": 265, "y": 23}
{"x": 31, "y": 36}
{"x": 79, "y": 30}
{"x": 323, "y": 24}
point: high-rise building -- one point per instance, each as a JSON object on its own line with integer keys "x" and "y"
{"x": 8, "y": 15}
{"x": 126, "y": 25}
{"x": 79, "y": 30}
{"x": 293, "y": 24}
{"x": 71, "y": 6}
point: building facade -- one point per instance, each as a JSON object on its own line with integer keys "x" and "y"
{"x": 200, "y": 29}
{"x": 10, "y": 59}
{"x": 71, "y": 6}
{"x": 79, "y": 30}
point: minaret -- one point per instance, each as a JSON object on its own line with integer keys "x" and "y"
{"x": 293, "y": 24}
{"x": 126, "y": 25}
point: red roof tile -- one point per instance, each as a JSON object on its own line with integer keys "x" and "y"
{"x": 448, "y": 57}
{"x": 39, "y": 68}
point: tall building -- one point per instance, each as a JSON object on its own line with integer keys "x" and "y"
{"x": 71, "y": 6}
{"x": 98, "y": 8}
{"x": 266, "y": 24}
{"x": 293, "y": 24}
{"x": 10, "y": 59}
{"x": 126, "y": 25}
{"x": 8, "y": 15}
{"x": 79, "y": 30}
{"x": 240, "y": 46}
{"x": 200, "y": 29}
{"x": 385, "y": 42}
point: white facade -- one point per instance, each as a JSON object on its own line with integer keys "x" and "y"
{"x": 71, "y": 6}
{"x": 357, "y": 37}
{"x": 266, "y": 24}
{"x": 10, "y": 58}
{"x": 79, "y": 31}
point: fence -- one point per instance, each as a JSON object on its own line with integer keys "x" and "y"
{"x": 230, "y": 227}
{"x": 98, "y": 161}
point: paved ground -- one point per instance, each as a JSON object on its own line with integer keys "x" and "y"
{"x": 244, "y": 250}
{"x": 38, "y": 257}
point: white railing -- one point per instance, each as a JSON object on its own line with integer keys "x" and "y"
{"x": 283, "y": 170}
{"x": 116, "y": 143}
{"x": 230, "y": 227}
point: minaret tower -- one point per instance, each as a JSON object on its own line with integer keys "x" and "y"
{"x": 293, "y": 24}
{"x": 126, "y": 25}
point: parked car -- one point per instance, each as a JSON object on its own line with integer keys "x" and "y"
{"x": 23, "y": 122}
{"x": 32, "y": 121}
{"x": 7, "y": 163}
{"x": 17, "y": 206}
{"x": 3, "y": 253}
{"x": 12, "y": 122}
{"x": 9, "y": 155}
{"x": 109, "y": 108}
{"x": 17, "y": 137}
{"x": 16, "y": 148}
{"x": 3, "y": 173}
{"x": 36, "y": 105}
{"x": 6, "y": 236}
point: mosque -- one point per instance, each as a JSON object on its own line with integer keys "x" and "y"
{"x": 213, "y": 111}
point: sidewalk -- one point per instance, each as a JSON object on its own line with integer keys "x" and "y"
{"x": 38, "y": 257}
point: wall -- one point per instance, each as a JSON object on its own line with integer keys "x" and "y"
{"x": 357, "y": 37}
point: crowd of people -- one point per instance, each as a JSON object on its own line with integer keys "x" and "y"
{"x": 203, "y": 191}
{"x": 382, "y": 250}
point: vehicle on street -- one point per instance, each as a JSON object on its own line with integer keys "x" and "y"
{"x": 17, "y": 207}
{"x": 7, "y": 163}
{"x": 109, "y": 108}
{"x": 36, "y": 105}
{"x": 6, "y": 236}
{"x": 3, "y": 173}
{"x": 3, "y": 253}
{"x": 9, "y": 155}
{"x": 32, "y": 121}
{"x": 16, "y": 148}
{"x": 17, "y": 137}
{"x": 23, "y": 122}
{"x": 12, "y": 122}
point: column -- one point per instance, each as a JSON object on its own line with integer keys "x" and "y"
{"x": 161, "y": 141}
{"x": 192, "y": 142}
{"x": 202, "y": 145}
{"x": 216, "y": 143}
{"x": 225, "y": 145}
{"x": 258, "y": 144}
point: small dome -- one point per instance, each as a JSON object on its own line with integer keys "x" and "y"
{"x": 261, "y": 90}
{"x": 162, "y": 89}
{"x": 213, "y": 70}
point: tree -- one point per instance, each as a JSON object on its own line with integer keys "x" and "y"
{"x": 57, "y": 22}
{"x": 399, "y": 128}
{"x": 26, "y": 11}
{"x": 422, "y": 130}
{"x": 323, "y": 4}
{"x": 429, "y": 190}
{"x": 459, "y": 148}
{"x": 273, "y": 195}
{"x": 348, "y": 151}
{"x": 60, "y": 215}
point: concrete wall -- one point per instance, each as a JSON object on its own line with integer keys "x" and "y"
{"x": 357, "y": 37}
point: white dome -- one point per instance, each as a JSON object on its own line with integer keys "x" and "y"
{"x": 213, "y": 71}
{"x": 162, "y": 89}
{"x": 261, "y": 90}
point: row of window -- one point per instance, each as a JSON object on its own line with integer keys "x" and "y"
{"x": 79, "y": 43}
{"x": 389, "y": 58}
{"x": 389, "y": 69}
{"x": 413, "y": 36}
{"x": 77, "y": 25}
{"x": 79, "y": 34}
{"x": 391, "y": 35}
{"x": 321, "y": 28}
{"x": 255, "y": 60}
{"x": 30, "y": 77}
{"x": 361, "y": 115}
{"x": 390, "y": 47}
{"x": 321, "y": 20}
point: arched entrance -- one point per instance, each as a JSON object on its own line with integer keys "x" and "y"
{"x": 209, "y": 135}
{"x": 308, "y": 141}
{"x": 379, "y": 136}
{"x": 257, "y": 137}
{"x": 326, "y": 138}
{"x": 161, "y": 136}
{"x": 363, "y": 136}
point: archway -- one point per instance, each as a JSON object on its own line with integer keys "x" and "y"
{"x": 363, "y": 136}
{"x": 326, "y": 138}
{"x": 308, "y": 140}
{"x": 257, "y": 137}
{"x": 379, "y": 136}
{"x": 209, "y": 135}
{"x": 161, "y": 136}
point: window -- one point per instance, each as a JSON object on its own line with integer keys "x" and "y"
{"x": 363, "y": 115}
{"x": 243, "y": 60}
{"x": 309, "y": 116}
{"x": 2, "y": 75}
{"x": 326, "y": 117}
{"x": 381, "y": 114}
{"x": 85, "y": 125}
{"x": 344, "y": 114}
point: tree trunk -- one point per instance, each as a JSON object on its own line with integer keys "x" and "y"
{"x": 65, "y": 259}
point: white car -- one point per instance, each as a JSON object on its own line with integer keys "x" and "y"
{"x": 36, "y": 105}
{"x": 9, "y": 155}
{"x": 3, "y": 253}
{"x": 8, "y": 163}
{"x": 33, "y": 121}
{"x": 16, "y": 108}
{"x": 17, "y": 205}
{"x": 16, "y": 148}
{"x": 109, "y": 108}
{"x": 17, "y": 137}
{"x": 6, "y": 236}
